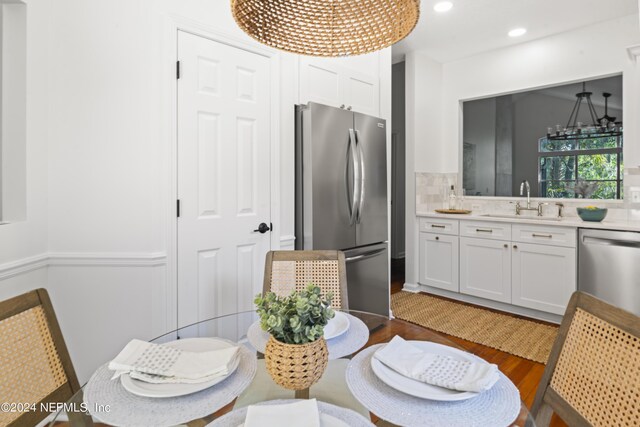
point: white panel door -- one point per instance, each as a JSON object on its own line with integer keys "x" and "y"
{"x": 439, "y": 261}
{"x": 223, "y": 177}
{"x": 544, "y": 277}
{"x": 485, "y": 268}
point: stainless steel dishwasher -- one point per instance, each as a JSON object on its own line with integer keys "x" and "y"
{"x": 609, "y": 267}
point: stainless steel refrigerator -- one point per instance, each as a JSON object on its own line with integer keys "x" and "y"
{"x": 341, "y": 196}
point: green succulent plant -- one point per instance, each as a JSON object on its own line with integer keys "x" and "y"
{"x": 299, "y": 318}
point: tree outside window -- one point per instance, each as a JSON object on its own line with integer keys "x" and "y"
{"x": 589, "y": 167}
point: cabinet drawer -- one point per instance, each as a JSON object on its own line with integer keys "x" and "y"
{"x": 440, "y": 226}
{"x": 486, "y": 230}
{"x": 556, "y": 236}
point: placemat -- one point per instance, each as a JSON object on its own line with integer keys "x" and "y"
{"x": 496, "y": 407}
{"x": 352, "y": 418}
{"x": 344, "y": 345}
{"x": 129, "y": 409}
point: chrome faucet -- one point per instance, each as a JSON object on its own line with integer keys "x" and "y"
{"x": 524, "y": 184}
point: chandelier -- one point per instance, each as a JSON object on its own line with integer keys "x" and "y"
{"x": 600, "y": 127}
{"x": 327, "y": 27}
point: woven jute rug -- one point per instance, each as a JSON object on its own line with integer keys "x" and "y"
{"x": 520, "y": 337}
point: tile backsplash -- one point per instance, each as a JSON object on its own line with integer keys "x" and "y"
{"x": 432, "y": 193}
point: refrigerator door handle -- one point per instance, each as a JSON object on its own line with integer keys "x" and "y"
{"x": 365, "y": 255}
{"x": 356, "y": 178}
{"x": 362, "y": 177}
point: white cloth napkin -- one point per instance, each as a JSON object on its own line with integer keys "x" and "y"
{"x": 303, "y": 413}
{"x": 156, "y": 363}
{"x": 435, "y": 369}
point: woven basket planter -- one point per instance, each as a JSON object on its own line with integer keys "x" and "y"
{"x": 296, "y": 366}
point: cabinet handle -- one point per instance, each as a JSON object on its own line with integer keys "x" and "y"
{"x": 548, "y": 236}
{"x": 515, "y": 246}
{"x": 437, "y": 226}
{"x": 506, "y": 246}
{"x": 437, "y": 238}
{"x": 484, "y": 230}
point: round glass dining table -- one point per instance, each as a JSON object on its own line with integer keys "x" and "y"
{"x": 347, "y": 383}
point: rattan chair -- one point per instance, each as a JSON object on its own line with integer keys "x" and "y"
{"x": 286, "y": 271}
{"x": 592, "y": 377}
{"x": 35, "y": 366}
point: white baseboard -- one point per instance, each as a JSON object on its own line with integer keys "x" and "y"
{"x": 411, "y": 287}
{"x": 501, "y": 306}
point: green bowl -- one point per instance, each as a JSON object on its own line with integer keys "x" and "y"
{"x": 595, "y": 215}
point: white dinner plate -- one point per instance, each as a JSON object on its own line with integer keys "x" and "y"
{"x": 196, "y": 345}
{"x": 418, "y": 388}
{"x": 326, "y": 421}
{"x": 336, "y": 326}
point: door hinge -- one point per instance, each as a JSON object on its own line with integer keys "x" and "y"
{"x": 178, "y": 208}
{"x": 177, "y": 69}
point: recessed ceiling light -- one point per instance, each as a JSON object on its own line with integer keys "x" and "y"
{"x": 443, "y": 6}
{"x": 517, "y": 32}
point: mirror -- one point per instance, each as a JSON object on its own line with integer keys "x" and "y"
{"x": 560, "y": 146}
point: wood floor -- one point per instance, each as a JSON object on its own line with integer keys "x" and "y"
{"x": 524, "y": 373}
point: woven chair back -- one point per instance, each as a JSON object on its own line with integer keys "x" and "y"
{"x": 35, "y": 366}
{"x": 288, "y": 271}
{"x": 592, "y": 377}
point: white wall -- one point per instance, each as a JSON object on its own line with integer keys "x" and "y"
{"x": 423, "y": 80}
{"x": 97, "y": 234}
{"x": 586, "y": 53}
{"x": 27, "y": 238}
{"x": 435, "y": 90}
{"x": 13, "y": 153}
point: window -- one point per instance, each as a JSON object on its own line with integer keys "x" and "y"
{"x": 589, "y": 167}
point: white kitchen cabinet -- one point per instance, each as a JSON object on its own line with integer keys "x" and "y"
{"x": 543, "y": 276}
{"x": 330, "y": 82}
{"x": 485, "y": 268}
{"x": 439, "y": 261}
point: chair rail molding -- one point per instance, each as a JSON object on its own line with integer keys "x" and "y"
{"x": 150, "y": 259}
{"x": 26, "y": 265}
{"x": 634, "y": 53}
{"x": 287, "y": 241}
{"x": 23, "y": 266}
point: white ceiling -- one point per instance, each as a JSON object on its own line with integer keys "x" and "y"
{"x": 475, "y": 26}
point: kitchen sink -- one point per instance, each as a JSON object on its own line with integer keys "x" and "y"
{"x": 518, "y": 217}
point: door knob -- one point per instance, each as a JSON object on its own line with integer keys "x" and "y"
{"x": 262, "y": 228}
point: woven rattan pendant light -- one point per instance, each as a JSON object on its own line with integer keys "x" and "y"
{"x": 327, "y": 27}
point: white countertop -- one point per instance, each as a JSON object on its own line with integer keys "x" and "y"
{"x": 575, "y": 222}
